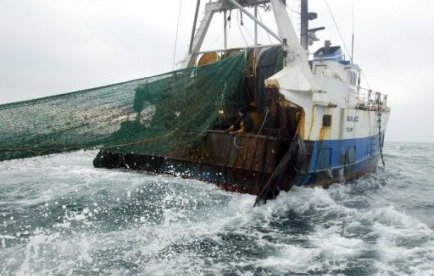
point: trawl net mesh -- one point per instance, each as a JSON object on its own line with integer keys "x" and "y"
{"x": 148, "y": 116}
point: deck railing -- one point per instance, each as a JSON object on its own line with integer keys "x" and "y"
{"x": 370, "y": 100}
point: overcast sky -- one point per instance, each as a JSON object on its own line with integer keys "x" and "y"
{"x": 56, "y": 46}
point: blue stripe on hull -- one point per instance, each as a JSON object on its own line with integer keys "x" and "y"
{"x": 334, "y": 160}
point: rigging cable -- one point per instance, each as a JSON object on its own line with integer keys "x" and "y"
{"x": 260, "y": 19}
{"x": 247, "y": 31}
{"x": 366, "y": 79}
{"x": 265, "y": 117}
{"x": 177, "y": 32}
{"x": 241, "y": 32}
{"x": 337, "y": 27}
{"x": 343, "y": 41}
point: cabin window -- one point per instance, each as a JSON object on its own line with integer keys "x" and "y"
{"x": 351, "y": 155}
{"x": 324, "y": 159}
{"x": 352, "y": 78}
{"x": 327, "y": 121}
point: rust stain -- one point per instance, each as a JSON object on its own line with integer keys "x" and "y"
{"x": 301, "y": 124}
{"x": 324, "y": 133}
{"x": 311, "y": 122}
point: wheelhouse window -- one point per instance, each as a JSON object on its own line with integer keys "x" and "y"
{"x": 352, "y": 78}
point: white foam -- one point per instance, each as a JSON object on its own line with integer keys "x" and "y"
{"x": 189, "y": 213}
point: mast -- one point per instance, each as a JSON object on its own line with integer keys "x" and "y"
{"x": 352, "y": 48}
{"x": 307, "y": 36}
{"x": 256, "y": 25}
{"x": 190, "y": 50}
{"x": 304, "y": 25}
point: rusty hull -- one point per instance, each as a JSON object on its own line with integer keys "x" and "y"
{"x": 239, "y": 163}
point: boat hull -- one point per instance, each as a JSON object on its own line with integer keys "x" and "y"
{"x": 332, "y": 161}
{"x": 313, "y": 172}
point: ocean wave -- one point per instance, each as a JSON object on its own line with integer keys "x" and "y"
{"x": 60, "y": 216}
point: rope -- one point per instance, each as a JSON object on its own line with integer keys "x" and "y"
{"x": 210, "y": 44}
{"x": 268, "y": 35}
{"x": 256, "y": 135}
{"x": 177, "y": 32}
{"x": 247, "y": 31}
{"x": 366, "y": 79}
{"x": 241, "y": 32}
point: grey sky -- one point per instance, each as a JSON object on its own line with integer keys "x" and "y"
{"x": 55, "y": 46}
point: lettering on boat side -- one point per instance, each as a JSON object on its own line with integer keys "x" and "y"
{"x": 352, "y": 119}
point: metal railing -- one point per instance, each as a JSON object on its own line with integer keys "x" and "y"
{"x": 370, "y": 100}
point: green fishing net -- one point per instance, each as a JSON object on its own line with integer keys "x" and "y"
{"x": 150, "y": 116}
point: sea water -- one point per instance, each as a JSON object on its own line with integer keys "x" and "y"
{"x": 61, "y": 216}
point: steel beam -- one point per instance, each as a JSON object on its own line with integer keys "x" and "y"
{"x": 193, "y": 32}
{"x": 246, "y": 12}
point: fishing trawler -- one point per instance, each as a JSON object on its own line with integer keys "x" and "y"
{"x": 315, "y": 124}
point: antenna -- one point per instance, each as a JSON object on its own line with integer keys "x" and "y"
{"x": 352, "y": 36}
